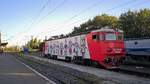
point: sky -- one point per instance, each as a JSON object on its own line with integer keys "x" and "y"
{"x": 22, "y": 19}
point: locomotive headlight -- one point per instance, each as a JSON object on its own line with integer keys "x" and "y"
{"x": 123, "y": 50}
{"x": 108, "y": 60}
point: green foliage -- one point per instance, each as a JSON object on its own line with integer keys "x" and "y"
{"x": 34, "y": 43}
{"x": 96, "y": 23}
{"x": 12, "y": 49}
{"x": 135, "y": 24}
{"x": 105, "y": 20}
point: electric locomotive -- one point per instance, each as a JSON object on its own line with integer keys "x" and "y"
{"x": 104, "y": 46}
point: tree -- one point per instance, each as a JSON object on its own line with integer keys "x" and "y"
{"x": 34, "y": 43}
{"x": 135, "y": 24}
{"x": 127, "y": 22}
{"x": 105, "y": 20}
{"x": 12, "y": 49}
{"x": 96, "y": 23}
{"x": 143, "y": 20}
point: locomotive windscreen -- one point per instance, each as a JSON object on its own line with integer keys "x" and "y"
{"x": 110, "y": 36}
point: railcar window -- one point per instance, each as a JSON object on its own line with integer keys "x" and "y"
{"x": 110, "y": 36}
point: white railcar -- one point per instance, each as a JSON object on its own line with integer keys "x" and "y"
{"x": 138, "y": 50}
{"x": 138, "y": 47}
{"x": 68, "y": 48}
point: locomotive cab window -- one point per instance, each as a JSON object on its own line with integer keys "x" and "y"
{"x": 120, "y": 36}
{"x": 110, "y": 36}
{"x": 101, "y": 37}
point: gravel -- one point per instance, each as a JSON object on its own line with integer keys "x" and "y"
{"x": 100, "y": 76}
{"x": 63, "y": 75}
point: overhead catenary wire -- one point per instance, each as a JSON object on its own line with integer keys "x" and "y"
{"x": 95, "y": 5}
{"x": 82, "y": 11}
{"x": 34, "y": 19}
{"x": 139, "y": 4}
{"x": 49, "y": 13}
{"x": 59, "y": 5}
{"x": 85, "y": 10}
{"x": 110, "y": 9}
{"x": 38, "y": 15}
{"x": 52, "y": 11}
{"x": 121, "y": 5}
{"x": 41, "y": 10}
{"x": 118, "y": 6}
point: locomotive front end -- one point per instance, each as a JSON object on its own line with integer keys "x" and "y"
{"x": 114, "y": 49}
{"x": 106, "y": 47}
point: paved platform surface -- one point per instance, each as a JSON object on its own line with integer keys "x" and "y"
{"x": 12, "y": 71}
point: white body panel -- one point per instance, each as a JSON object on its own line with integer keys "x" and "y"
{"x": 138, "y": 47}
{"x": 68, "y": 47}
{"x": 136, "y": 44}
{"x": 46, "y": 48}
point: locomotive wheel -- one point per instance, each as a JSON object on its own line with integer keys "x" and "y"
{"x": 68, "y": 59}
{"x": 95, "y": 64}
{"x": 87, "y": 62}
{"x": 54, "y": 57}
{"x": 49, "y": 56}
{"x": 127, "y": 58}
{"x": 45, "y": 55}
{"x": 76, "y": 60}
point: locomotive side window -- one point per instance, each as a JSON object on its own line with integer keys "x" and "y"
{"x": 110, "y": 36}
{"x": 120, "y": 36}
{"x": 94, "y": 37}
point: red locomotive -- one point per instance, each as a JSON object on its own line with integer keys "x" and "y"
{"x": 104, "y": 46}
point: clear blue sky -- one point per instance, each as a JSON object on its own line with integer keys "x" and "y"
{"x": 17, "y": 15}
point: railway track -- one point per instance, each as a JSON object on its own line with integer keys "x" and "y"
{"x": 62, "y": 75}
{"x": 136, "y": 69}
{"x": 77, "y": 71}
{"x": 133, "y": 69}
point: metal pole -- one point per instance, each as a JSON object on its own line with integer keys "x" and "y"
{"x": 0, "y": 40}
{"x": 0, "y": 43}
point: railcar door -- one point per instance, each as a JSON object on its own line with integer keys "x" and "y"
{"x": 94, "y": 46}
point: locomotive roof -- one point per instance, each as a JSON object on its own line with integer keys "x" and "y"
{"x": 107, "y": 29}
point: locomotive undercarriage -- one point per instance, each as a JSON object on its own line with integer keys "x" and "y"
{"x": 110, "y": 62}
{"x": 138, "y": 60}
{"x": 113, "y": 61}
